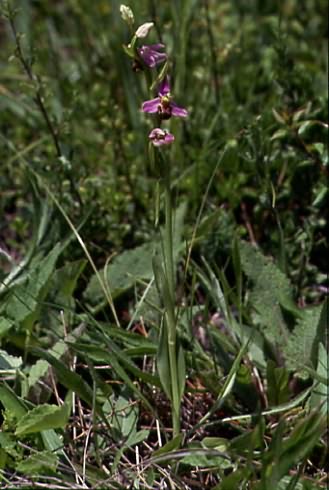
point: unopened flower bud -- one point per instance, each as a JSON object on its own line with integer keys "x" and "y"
{"x": 127, "y": 14}
{"x": 144, "y": 29}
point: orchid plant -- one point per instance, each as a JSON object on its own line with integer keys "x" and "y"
{"x": 147, "y": 58}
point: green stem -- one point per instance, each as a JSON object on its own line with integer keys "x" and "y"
{"x": 168, "y": 239}
{"x": 170, "y": 317}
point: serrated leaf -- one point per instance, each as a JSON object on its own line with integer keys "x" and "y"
{"x": 271, "y": 291}
{"x": 8, "y": 362}
{"x": 43, "y": 417}
{"x": 302, "y": 346}
{"x": 38, "y": 463}
{"x": 37, "y": 371}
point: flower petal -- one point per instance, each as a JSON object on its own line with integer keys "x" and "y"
{"x": 144, "y": 29}
{"x": 151, "y": 106}
{"x": 161, "y": 137}
{"x": 164, "y": 87}
{"x": 156, "y": 47}
{"x": 169, "y": 138}
{"x": 151, "y": 56}
{"x": 178, "y": 111}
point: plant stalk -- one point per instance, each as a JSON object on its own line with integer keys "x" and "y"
{"x": 170, "y": 318}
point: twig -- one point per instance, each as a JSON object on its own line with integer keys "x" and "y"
{"x": 39, "y": 99}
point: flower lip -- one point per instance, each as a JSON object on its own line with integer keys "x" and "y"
{"x": 161, "y": 137}
{"x": 163, "y": 104}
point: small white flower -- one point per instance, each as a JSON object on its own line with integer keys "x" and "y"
{"x": 127, "y": 14}
{"x": 144, "y": 29}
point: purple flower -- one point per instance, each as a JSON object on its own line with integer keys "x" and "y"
{"x": 151, "y": 54}
{"x": 161, "y": 137}
{"x": 163, "y": 105}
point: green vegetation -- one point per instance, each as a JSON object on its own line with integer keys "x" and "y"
{"x": 163, "y": 322}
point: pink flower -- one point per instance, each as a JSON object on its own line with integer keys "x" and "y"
{"x": 151, "y": 55}
{"x": 163, "y": 104}
{"x": 161, "y": 137}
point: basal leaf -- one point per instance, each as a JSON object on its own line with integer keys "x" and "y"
{"x": 122, "y": 272}
{"x": 169, "y": 446}
{"x": 163, "y": 366}
{"x": 271, "y": 292}
{"x": 299, "y": 348}
{"x": 12, "y": 402}
{"x": 38, "y": 463}
{"x": 43, "y": 417}
{"x": 319, "y": 396}
{"x": 8, "y": 362}
{"x": 23, "y": 300}
{"x": 5, "y": 326}
{"x": 181, "y": 372}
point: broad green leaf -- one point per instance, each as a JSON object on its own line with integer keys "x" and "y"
{"x": 41, "y": 462}
{"x": 137, "y": 437}
{"x": 271, "y": 292}
{"x": 51, "y": 441}
{"x": 123, "y": 272}
{"x": 169, "y": 446}
{"x": 277, "y": 384}
{"x": 206, "y": 458}
{"x": 12, "y": 402}
{"x": 5, "y": 326}
{"x": 43, "y": 417}
{"x": 8, "y": 362}
{"x": 65, "y": 278}
{"x": 132, "y": 265}
{"x": 70, "y": 379}
{"x": 248, "y": 441}
{"x": 123, "y": 416}
{"x": 231, "y": 482}
{"x": 218, "y": 443}
{"x": 37, "y": 371}
{"x": 303, "y": 342}
{"x": 24, "y": 299}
